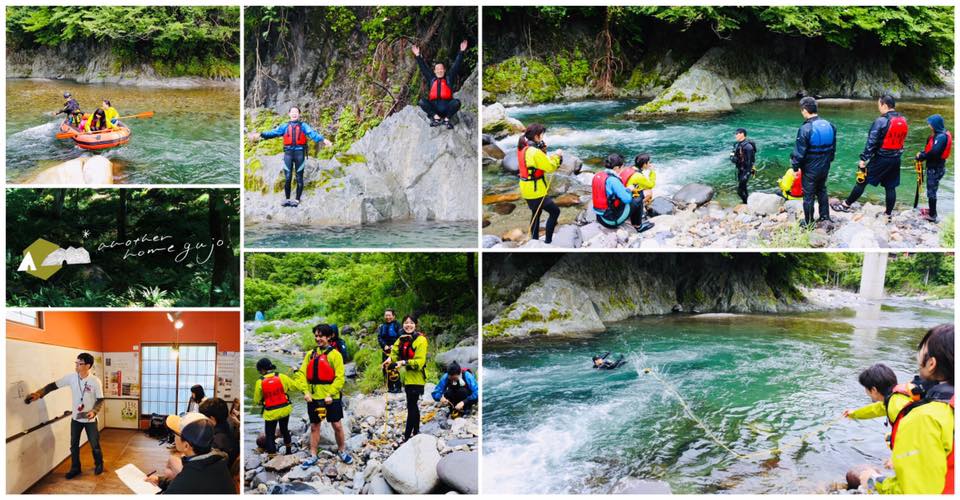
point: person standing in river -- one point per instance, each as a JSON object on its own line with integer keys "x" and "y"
{"x": 812, "y": 154}
{"x": 439, "y": 104}
{"x": 295, "y": 134}
{"x": 743, "y": 156}
{"x": 880, "y": 159}
{"x": 534, "y": 165}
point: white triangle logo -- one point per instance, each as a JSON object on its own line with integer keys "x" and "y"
{"x": 27, "y": 264}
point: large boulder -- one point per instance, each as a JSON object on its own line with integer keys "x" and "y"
{"x": 570, "y": 165}
{"x": 567, "y": 236}
{"x": 86, "y": 170}
{"x": 699, "y": 194}
{"x": 458, "y": 470}
{"x": 412, "y": 468}
{"x": 465, "y": 356}
{"x": 510, "y": 163}
{"x": 497, "y": 123}
{"x": 281, "y": 463}
{"x": 367, "y": 407}
{"x": 661, "y": 206}
{"x": 380, "y": 486}
{"x": 764, "y": 203}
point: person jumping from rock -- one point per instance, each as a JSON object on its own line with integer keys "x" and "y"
{"x": 602, "y": 363}
{"x": 613, "y": 203}
{"x": 743, "y": 156}
{"x": 295, "y": 134}
{"x": 935, "y": 154}
{"x": 882, "y": 152}
{"x": 439, "y": 104}
{"x": 811, "y": 157}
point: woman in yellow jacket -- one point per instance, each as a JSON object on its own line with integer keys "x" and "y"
{"x": 534, "y": 165}
{"x": 410, "y": 352}
{"x": 273, "y": 391}
{"x": 642, "y": 178}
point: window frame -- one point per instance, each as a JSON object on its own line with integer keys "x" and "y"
{"x": 211, "y": 392}
{"x": 38, "y": 322}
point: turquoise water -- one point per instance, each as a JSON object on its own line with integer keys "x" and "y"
{"x": 193, "y": 137}
{"x": 551, "y": 424}
{"x": 397, "y": 234}
{"x": 696, "y": 148}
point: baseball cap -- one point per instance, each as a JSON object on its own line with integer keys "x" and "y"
{"x": 192, "y": 427}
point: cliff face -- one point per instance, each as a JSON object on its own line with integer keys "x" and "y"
{"x": 582, "y": 292}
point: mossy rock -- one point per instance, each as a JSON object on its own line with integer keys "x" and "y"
{"x": 530, "y": 79}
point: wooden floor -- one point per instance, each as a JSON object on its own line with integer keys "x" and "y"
{"x": 120, "y": 447}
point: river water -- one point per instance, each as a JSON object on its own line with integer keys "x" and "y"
{"x": 691, "y": 148}
{"x": 394, "y": 234}
{"x": 193, "y": 138}
{"x": 551, "y": 424}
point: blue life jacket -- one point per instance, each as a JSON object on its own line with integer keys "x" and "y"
{"x": 821, "y": 137}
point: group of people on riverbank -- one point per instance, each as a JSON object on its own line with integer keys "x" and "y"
{"x": 921, "y": 416}
{"x": 106, "y": 117}
{"x": 321, "y": 379}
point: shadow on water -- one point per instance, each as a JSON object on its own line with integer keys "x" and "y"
{"x": 192, "y": 139}
{"x": 409, "y": 234}
{"x": 554, "y": 425}
{"x": 694, "y": 148}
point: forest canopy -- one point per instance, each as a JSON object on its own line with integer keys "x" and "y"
{"x": 179, "y": 40}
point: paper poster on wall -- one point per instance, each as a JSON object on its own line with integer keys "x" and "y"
{"x": 122, "y": 375}
{"x": 228, "y": 372}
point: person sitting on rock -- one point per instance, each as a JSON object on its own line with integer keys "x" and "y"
{"x": 613, "y": 203}
{"x": 882, "y": 151}
{"x": 71, "y": 109}
{"x": 935, "y": 154}
{"x": 458, "y": 389}
{"x": 439, "y": 104}
{"x": 533, "y": 165}
{"x": 640, "y": 178}
{"x": 602, "y": 363}
{"x": 97, "y": 122}
{"x": 272, "y": 390}
{"x": 743, "y": 156}
{"x": 295, "y": 134}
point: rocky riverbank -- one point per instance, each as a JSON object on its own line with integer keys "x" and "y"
{"x": 400, "y": 170}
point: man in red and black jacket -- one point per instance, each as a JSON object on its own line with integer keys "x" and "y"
{"x": 439, "y": 103}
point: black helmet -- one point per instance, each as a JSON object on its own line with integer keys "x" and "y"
{"x": 66, "y": 95}
{"x": 265, "y": 365}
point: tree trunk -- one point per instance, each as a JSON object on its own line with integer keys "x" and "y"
{"x": 122, "y": 216}
{"x": 472, "y": 273}
{"x": 221, "y": 254}
{"x": 58, "y": 203}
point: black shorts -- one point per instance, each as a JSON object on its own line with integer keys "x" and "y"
{"x": 334, "y": 411}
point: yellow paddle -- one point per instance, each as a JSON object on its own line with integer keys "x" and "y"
{"x": 72, "y": 133}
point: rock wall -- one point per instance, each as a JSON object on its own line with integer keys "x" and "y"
{"x": 582, "y": 292}
{"x": 95, "y": 64}
{"x": 401, "y": 169}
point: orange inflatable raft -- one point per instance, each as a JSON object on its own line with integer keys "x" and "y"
{"x": 104, "y": 139}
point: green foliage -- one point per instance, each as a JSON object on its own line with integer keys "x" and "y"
{"x": 369, "y": 374}
{"x": 573, "y": 70}
{"x": 260, "y": 295}
{"x": 529, "y": 78}
{"x": 947, "y": 231}
{"x": 177, "y": 41}
{"x": 268, "y": 328}
{"x": 789, "y": 236}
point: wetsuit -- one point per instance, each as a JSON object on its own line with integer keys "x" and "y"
{"x": 882, "y": 155}
{"x": 812, "y": 154}
{"x": 439, "y": 100}
{"x": 934, "y": 156}
{"x": 295, "y": 136}
{"x": 387, "y": 335}
{"x": 609, "y": 365}
{"x": 744, "y": 155}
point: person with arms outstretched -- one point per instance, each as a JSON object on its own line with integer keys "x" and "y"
{"x": 439, "y": 104}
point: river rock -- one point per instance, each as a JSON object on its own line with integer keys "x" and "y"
{"x": 567, "y": 200}
{"x": 263, "y": 477}
{"x": 458, "y": 470}
{"x": 492, "y": 199}
{"x": 634, "y": 486}
{"x": 585, "y": 178}
{"x": 350, "y": 370}
{"x": 490, "y": 240}
{"x": 567, "y": 236}
{"x": 327, "y": 437}
{"x": 497, "y": 123}
{"x": 363, "y": 407}
{"x": 764, "y": 203}
{"x": 493, "y": 151}
{"x": 299, "y": 474}
{"x": 297, "y": 488}
{"x": 380, "y": 486}
{"x": 281, "y": 463}
{"x": 570, "y": 164}
{"x": 487, "y": 139}
{"x": 466, "y": 357}
{"x": 661, "y": 205}
{"x": 504, "y": 208}
{"x": 697, "y": 194}
{"x": 510, "y": 163}
{"x": 86, "y": 170}
{"x": 412, "y": 468}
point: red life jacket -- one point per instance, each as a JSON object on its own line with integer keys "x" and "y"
{"x": 440, "y": 90}
{"x": 946, "y": 150}
{"x": 273, "y": 394}
{"x": 407, "y": 352}
{"x": 600, "y": 199}
{"x": 896, "y": 133}
{"x": 916, "y": 403}
{"x": 319, "y": 369}
{"x": 527, "y": 173}
{"x": 796, "y": 189}
{"x": 294, "y": 135}
{"x": 626, "y": 174}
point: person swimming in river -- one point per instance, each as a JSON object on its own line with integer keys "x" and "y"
{"x": 439, "y": 104}
{"x": 602, "y": 363}
{"x": 295, "y": 148}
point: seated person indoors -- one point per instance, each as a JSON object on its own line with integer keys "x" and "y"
{"x": 205, "y": 469}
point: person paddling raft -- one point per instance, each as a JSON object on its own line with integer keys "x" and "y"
{"x": 439, "y": 104}
{"x": 602, "y": 363}
{"x": 935, "y": 155}
{"x": 295, "y": 134}
{"x": 71, "y": 108}
{"x": 811, "y": 157}
{"x": 882, "y": 152}
{"x": 534, "y": 164}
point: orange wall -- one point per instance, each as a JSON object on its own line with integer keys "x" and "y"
{"x": 79, "y": 329}
{"x": 121, "y": 330}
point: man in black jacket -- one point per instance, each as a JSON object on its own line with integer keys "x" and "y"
{"x": 811, "y": 157}
{"x": 71, "y": 108}
{"x": 882, "y": 152}
{"x": 205, "y": 469}
{"x": 935, "y": 154}
{"x": 743, "y": 156}
{"x": 224, "y": 438}
{"x": 439, "y": 104}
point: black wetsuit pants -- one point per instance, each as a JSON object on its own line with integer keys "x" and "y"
{"x": 553, "y": 213}
{"x": 270, "y": 426}
{"x": 293, "y": 161}
{"x": 889, "y": 201}
{"x": 815, "y": 189}
{"x": 414, "y": 392}
{"x": 743, "y": 175}
{"x": 440, "y": 107}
